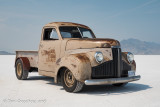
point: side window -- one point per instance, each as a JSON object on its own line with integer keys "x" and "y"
{"x": 50, "y": 34}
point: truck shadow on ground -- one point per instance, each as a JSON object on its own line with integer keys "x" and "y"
{"x": 100, "y": 89}
{"x": 50, "y": 80}
{"x": 113, "y": 90}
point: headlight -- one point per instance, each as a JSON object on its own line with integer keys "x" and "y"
{"x": 99, "y": 57}
{"x": 130, "y": 57}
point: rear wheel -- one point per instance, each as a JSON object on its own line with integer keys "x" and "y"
{"x": 20, "y": 72}
{"x": 120, "y": 84}
{"x": 69, "y": 82}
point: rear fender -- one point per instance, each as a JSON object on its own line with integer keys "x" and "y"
{"x": 25, "y": 62}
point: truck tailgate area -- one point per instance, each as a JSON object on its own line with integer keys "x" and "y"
{"x": 31, "y": 55}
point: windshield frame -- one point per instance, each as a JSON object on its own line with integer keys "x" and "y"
{"x": 92, "y": 34}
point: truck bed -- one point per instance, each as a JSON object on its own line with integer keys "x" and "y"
{"x": 31, "y": 55}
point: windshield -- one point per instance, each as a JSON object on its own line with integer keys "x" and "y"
{"x": 75, "y": 32}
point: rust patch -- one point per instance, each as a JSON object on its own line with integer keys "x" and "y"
{"x": 124, "y": 55}
{"x": 110, "y": 42}
{"x": 106, "y": 42}
{"x": 41, "y": 46}
{"x": 49, "y": 66}
{"x": 105, "y": 45}
{"x": 58, "y": 61}
{"x": 106, "y": 50}
{"x": 106, "y": 58}
{"x": 110, "y": 54}
{"x": 134, "y": 63}
{"x": 31, "y": 58}
{"x": 125, "y": 52}
{"x": 51, "y": 56}
{"x": 74, "y": 65}
{"x": 82, "y": 57}
{"x": 68, "y": 24}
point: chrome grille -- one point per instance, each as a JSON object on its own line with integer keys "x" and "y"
{"x": 111, "y": 69}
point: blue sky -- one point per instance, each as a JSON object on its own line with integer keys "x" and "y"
{"x": 21, "y": 21}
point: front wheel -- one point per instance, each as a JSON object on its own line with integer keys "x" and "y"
{"x": 69, "y": 82}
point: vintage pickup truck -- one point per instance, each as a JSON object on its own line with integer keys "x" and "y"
{"x": 72, "y": 54}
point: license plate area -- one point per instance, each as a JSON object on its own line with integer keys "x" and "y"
{"x": 131, "y": 73}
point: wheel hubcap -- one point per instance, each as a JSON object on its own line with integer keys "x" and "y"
{"x": 69, "y": 78}
{"x": 19, "y": 69}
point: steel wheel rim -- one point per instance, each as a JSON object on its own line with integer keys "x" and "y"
{"x": 19, "y": 69}
{"x": 69, "y": 79}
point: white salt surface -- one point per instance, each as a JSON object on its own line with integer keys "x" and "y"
{"x": 40, "y": 91}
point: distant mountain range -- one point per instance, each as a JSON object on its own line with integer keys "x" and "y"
{"x": 6, "y": 53}
{"x": 140, "y": 47}
{"x": 135, "y": 46}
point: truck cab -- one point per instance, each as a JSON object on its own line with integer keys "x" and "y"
{"x": 72, "y": 54}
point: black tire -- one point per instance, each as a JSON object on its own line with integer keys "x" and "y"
{"x": 120, "y": 84}
{"x": 76, "y": 86}
{"x": 21, "y": 74}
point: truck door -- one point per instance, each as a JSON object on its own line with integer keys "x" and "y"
{"x": 49, "y": 51}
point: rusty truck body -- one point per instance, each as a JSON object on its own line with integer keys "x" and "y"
{"x": 72, "y": 54}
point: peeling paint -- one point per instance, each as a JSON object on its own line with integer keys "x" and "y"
{"x": 82, "y": 57}
{"x": 110, "y": 54}
{"x": 106, "y": 59}
{"x": 74, "y": 65}
{"x": 51, "y": 56}
{"x": 58, "y": 61}
{"x": 90, "y": 43}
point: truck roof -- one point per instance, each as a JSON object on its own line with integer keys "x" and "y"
{"x": 57, "y": 24}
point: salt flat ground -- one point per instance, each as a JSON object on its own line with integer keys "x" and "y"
{"x": 40, "y": 91}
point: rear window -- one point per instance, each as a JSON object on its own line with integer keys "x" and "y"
{"x": 50, "y": 34}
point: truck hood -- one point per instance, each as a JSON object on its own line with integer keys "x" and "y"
{"x": 91, "y": 43}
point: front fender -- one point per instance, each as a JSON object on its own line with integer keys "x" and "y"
{"x": 78, "y": 64}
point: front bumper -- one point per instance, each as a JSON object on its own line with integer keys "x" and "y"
{"x": 112, "y": 80}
